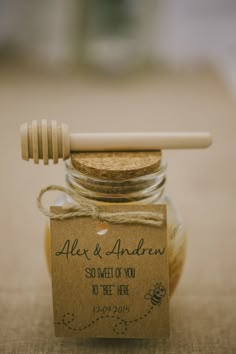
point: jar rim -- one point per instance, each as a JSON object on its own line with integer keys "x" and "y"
{"x": 78, "y": 174}
{"x": 140, "y": 188}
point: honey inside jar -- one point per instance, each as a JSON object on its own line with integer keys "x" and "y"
{"x": 125, "y": 178}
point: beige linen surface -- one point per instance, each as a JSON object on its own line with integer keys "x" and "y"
{"x": 201, "y": 183}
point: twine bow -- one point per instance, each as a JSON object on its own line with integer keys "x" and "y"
{"x": 85, "y": 207}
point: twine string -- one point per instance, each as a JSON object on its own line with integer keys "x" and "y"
{"x": 85, "y": 207}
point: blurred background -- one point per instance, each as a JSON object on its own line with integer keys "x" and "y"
{"x": 117, "y": 37}
{"x": 127, "y": 65}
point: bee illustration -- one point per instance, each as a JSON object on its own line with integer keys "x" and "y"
{"x": 156, "y": 294}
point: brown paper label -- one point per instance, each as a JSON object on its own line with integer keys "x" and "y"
{"x": 110, "y": 280}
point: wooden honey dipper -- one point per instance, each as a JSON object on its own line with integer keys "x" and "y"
{"x": 53, "y": 141}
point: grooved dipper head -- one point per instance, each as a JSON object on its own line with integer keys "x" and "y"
{"x": 44, "y": 141}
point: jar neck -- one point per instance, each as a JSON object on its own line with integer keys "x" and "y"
{"x": 143, "y": 189}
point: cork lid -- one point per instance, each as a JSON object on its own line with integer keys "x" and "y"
{"x": 116, "y": 165}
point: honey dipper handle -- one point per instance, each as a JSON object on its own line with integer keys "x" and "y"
{"x": 138, "y": 141}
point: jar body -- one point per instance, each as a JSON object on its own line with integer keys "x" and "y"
{"x": 176, "y": 238}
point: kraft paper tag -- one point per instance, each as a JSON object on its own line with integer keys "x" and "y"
{"x": 110, "y": 280}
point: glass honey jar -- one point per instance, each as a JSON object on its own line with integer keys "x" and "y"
{"x": 125, "y": 178}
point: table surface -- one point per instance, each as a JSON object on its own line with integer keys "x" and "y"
{"x": 201, "y": 183}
